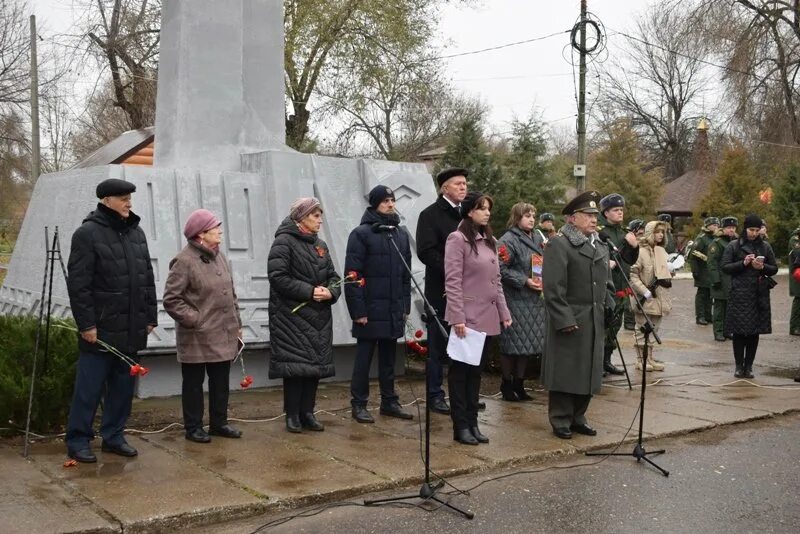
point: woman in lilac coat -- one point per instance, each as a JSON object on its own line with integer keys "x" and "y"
{"x": 474, "y": 300}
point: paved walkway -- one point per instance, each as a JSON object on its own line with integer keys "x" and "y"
{"x": 175, "y": 483}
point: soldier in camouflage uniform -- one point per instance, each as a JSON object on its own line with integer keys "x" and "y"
{"x": 669, "y": 239}
{"x": 698, "y": 260}
{"x": 613, "y": 232}
{"x": 720, "y": 281}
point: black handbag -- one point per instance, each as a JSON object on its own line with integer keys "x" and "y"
{"x": 769, "y": 282}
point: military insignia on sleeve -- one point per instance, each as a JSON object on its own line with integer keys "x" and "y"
{"x": 712, "y": 249}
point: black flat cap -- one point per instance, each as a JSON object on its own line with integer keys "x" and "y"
{"x": 446, "y": 174}
{"x": 585, "y": 202}
{"x": 114, "y": 188}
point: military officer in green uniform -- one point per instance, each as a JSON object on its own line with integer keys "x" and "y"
{"x": 547, "y": 227}
{"x": 698, "y": 260}
{"x": 669, "y": 239}
{"x": 577, "y": 282}
{"x": 617, "y": 236}
{"x": 720, "y": 281}
{"x": 794, "y": 283}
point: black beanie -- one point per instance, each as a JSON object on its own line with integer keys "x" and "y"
{"x": 753, "y": 221}
{"x": 378, "y": 194}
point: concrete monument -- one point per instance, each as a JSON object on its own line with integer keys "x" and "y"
{"x": 219, "y": 145}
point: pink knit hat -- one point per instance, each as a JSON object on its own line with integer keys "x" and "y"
{"x": 302, "y": 207}
{"x": 200, "y": 221}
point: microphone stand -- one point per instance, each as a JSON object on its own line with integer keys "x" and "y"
{"x": 427, "y": 491}
{"x": 647, "y": 329}
{"x": 617, "y": 257}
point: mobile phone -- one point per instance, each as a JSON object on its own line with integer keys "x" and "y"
{"x": 760, "y": 258}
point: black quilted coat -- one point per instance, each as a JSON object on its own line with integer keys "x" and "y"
{"x": 748, "y": 311}
{"x": 300, "y": 342}
{"x": 110, "y": 281}
{"x": 386, "y": 297}
{"x": 527, "y": 332}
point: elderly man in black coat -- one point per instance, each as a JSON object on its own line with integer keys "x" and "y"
{"x": 378, "y": 308}
{"x": 435, "y": 223}
{"x": 113, "y": 298}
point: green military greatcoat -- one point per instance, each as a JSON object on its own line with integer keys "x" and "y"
{"x": 698, "y": 259}
{"x": 720, "y": 283}
{"x": 577, "y": 286}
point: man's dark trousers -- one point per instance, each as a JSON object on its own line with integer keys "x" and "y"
{"x": 99, "y": 374}
{"x": 359, "y": 386}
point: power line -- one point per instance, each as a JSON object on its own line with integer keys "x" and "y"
{"x": 498, "y": 47}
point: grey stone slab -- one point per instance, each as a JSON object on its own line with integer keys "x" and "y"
{"x": 153, "y": 486}
{"x": 33, "y": 502}
{"x": 273, "y": 463}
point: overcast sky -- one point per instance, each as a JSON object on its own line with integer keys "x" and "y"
{"x": 510, "y": 80}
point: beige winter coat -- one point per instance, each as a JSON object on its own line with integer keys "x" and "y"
{"x": 200, "y": 296}
{"x": 651, "y": 266}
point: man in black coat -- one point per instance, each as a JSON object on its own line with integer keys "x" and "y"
{"x": 435, "y": 223}
{"x": 379, "y": 308}
{"x": 113, "y": 298}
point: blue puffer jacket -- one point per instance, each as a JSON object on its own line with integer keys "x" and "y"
{"x": 387, "y": 293}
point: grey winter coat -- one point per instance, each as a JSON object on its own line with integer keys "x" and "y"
{"x": 577, "y": 289}
{"x": 526, "y": 334}
{"x": 200, "y": 296}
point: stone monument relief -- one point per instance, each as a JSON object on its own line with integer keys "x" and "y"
{"x": 219, "y": 145}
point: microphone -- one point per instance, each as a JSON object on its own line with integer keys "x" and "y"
{"x": 605, "y": 239}
{"x": 378, "y": 227}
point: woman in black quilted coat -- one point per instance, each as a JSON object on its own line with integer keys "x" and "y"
{"x": 301, "y": 276}
{"x": 749, "y": 261}
{"x": 523, "y": 290}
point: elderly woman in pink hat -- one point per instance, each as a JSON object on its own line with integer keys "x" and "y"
{"x": 200, "y": 296}
{"x": 303, "y": 285}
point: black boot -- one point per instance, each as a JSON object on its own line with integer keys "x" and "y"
{"x": 519, "y": 389}
{"x": 739, "y": 372}
{"x": 464, "y": 436}
{"x": 507, "y": 389}
{"x": 610, "y": 368}
{"x": 293, "y": 423}
{"x": 307, "y": 420}
{"x": 748, "y": 372}
{"x": 476, "y": 433}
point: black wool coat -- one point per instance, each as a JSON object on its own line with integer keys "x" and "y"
{"x": 386, "y": 297}
{"x": 748, "y": 311}
{"x": 300, "y": 342}
{"x": 110, "y": 281}
{"x": 435, "y": 223}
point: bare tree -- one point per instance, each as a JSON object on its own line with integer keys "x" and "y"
{"x": 14, "y": 55}
{"x": 657, "y": 84}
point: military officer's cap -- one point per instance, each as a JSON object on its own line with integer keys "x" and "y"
{"x": 730, "y": 221}
{"x": 708, "y": 221}
{"x": 614, "y": 200}
{"x": 585, "y": 202}
{"x": 114, "y": 188}
{"x": 446, "y": 174}
{"x": 665, "y": 217}
{"x": 635, "y": 224}
{"x": 546, "y": 217}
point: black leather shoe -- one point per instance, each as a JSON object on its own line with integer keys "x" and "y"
{"x": 85, "y": 456}
{"x": 519, "y": 389}
{"x": 476, "y": 433}
{"x": 612, "y": 369}
{"x": 701, "y": 322}
{"x": 123, "y": 449}
{"x": 307, "y": 420}
{"x": 361, "y": 415}
{"x": 438, "y": 405}
{"x": 584, "y": 429}
{"x": 395, "y": 410}
{"x": 563, "y": 433}
{"x": 797, "y": 378}
{"x": 739, "y": 372}
{"x": 481, "y": 406}
{"x": 507, "y": 390}
{"x": 293, "y": 424}
{"x": 464, "y": 436}
{"x": 748, "y": 373}
{"x": 198, "y": 435}
{"x": 226, "y": 431}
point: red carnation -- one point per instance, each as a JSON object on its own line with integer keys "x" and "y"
{"x": 796, "y": 274}
{"x": 362, "y": 282}
{"x": 248, "y": 379}
{"x": 245, "y": 384}
{"x": 418, "y": 334}
{"x": 423, "y": 350}
{"x": 143, "y": 370}
{"x": 135, "y": 369}
{"x": 352, "y": 275}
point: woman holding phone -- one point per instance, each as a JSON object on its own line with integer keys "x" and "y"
{"x": 200, "y": 296}
{"x": 475, "y": 300}
{"x": 750, "y": 262}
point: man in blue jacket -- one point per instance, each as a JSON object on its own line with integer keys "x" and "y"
{"x": 379, "y": 307}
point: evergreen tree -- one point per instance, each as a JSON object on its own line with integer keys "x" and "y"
{"x": 785, "y": 209}
{"x": 734, "y": 189}
{"x": 618, "y": 167}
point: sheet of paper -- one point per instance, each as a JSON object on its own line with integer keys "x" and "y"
{"x": 467, "y": 349}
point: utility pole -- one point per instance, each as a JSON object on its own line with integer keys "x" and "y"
{"x": 35, "y": 150}
{"x": 580, "y": 167}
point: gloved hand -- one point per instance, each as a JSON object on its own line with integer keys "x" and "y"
{"x": 647, "y": 295}
{"x": 663, "y": 282}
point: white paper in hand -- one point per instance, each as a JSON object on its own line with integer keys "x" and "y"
{"x": 467, "y": 349}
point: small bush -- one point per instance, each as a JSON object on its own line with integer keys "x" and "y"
{"x": 55, "y": 375}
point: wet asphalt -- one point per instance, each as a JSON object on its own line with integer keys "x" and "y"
{"x": 736, "y": 478}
